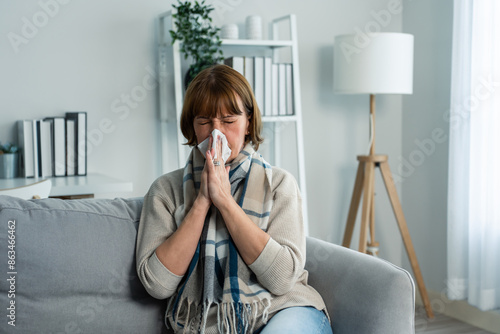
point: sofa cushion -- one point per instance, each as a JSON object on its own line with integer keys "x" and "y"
{"x": 74, "y": 268}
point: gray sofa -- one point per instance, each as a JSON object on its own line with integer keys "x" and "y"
{"x": 74, "y": 272}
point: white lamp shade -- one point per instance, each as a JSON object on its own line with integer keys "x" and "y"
{"x": 376, "y": 63}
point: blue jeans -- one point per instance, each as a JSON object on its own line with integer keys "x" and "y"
{"x": 299, "y": 319}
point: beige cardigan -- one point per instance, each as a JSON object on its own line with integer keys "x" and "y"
{"x": 279, "y": 268}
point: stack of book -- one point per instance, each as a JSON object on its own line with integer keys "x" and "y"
{"x": 272, "y": 83}
{"x": 54, "y": 146}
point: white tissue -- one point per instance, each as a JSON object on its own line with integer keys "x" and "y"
{"x": 226, "y": 151}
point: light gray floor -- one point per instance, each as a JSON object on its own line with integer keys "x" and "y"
{"x": 442, "y": 324}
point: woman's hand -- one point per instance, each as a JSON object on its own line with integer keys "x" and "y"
{"x": 219, "y": 187}
{"x": 203, "y": 195}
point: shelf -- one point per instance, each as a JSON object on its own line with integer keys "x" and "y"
{"x": 256, "y": 43}
{"x": 264, "y": 43}
{"x": 92, "y": 183}
{"x": 270, "y": 119}
{"x": 283, "y": 49}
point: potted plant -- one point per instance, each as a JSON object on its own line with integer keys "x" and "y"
{"x": 199, "y": 39}
{"x": 8, "y": 161}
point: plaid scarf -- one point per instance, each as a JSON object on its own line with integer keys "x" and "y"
{"x": 218, "y": 280}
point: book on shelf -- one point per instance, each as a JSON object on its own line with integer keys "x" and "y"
{"x": 58, "y": 145}
{"x": 259, "y": 82}
{"x": 70, "y": 147}
{"x": 80, "y": 118}
{"x": 45, "y": 167}
{"x": 249, "y": 70}
{"x": 25, "y": 143}
{"x": 53, "y": 146}
{"x": 289, "y": 89}
{"x": 275, "y": 90}
{"x": 282, "y": 89}
{"x": 37, "y": 148}
{"x": 237, "y": 63}
{"x": 268, "y": 90}
{"x": 272, "y": 83}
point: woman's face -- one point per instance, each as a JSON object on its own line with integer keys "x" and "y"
{"x": 234, "y": 127}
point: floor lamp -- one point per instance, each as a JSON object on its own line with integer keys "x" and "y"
{"x": 380, "y": 63}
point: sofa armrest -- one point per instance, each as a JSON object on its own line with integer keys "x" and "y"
{"x": 363, "y": 294}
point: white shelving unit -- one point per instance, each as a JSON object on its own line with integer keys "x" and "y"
{"x": 172, "y": 92}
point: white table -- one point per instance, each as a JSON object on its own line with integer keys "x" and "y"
{"x": 73, "y": 187}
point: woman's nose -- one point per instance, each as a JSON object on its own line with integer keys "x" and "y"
{"x": 215, "y": 125}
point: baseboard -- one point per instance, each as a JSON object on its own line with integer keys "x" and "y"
{"x": 461, "y": 310}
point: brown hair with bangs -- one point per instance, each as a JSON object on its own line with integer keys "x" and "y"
{"x": 217, "y": 89}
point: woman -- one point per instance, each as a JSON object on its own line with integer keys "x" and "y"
{"x": 225, "y": 242}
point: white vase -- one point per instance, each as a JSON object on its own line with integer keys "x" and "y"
{"x": 229, "y": 31}
{"x": 8, "y": 165}
{"x": 253, "y": 25}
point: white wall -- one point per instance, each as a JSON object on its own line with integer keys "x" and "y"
{"x": 86, "y": 55}
{"x": 425, "y": 136}
{"x": 335, "y": 126}
{"x": 92, "y": 53}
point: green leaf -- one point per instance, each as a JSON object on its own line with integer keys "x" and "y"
{"x": 200, "y": 40}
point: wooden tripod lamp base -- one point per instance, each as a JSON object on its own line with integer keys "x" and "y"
{"x": 365, "y": 180}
